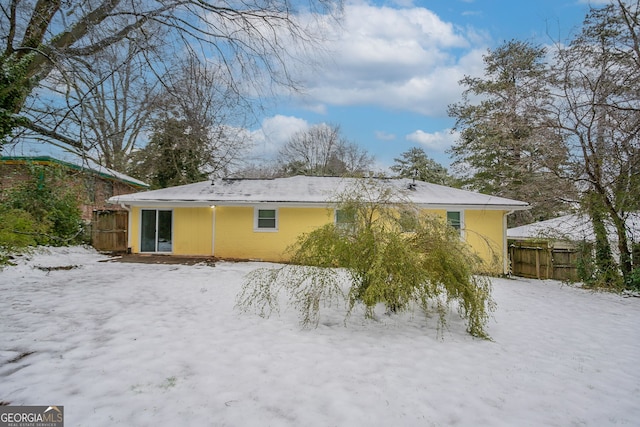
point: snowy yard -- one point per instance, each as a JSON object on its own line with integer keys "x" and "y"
{"x": 141, "y": 345}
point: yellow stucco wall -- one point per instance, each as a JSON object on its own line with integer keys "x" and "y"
{"x": 484, "y": 232}
{"x": 192, "y": 230}
{"x": 235, "y": 236}
{"x": 134, "y": 230}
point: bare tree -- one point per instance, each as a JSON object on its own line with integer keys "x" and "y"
{"x": 198, "y": 127}
{"x": 112, "y": 103}
{"x": 354, "y": 159}
{"x": 598, "y": 111}
{"x": 254, "y": 41}
{"x": 322, "y": 151}
{"x": 258, "y": 169}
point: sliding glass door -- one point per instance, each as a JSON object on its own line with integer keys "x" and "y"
{"x": 156, "y": 230}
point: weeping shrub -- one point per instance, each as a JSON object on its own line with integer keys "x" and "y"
{"x": 17, "y": 233}
{"x": 427, "y": 267}
{"x": 51, "y": 202}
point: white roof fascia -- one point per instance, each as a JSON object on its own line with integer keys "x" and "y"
{"x": 273, "y": 203}
{"x": 201, "y": 203}
{"x": 453, "y": 207}
{"x": 162, "y": 203}
{"x": 329, "y": 204}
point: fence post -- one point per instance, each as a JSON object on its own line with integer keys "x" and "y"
{"x": 512, "y": 252}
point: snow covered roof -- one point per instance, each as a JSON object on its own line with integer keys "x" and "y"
{"x": 308, "y": 190}
{"x": 568, "y": 227}
{"x": 79, "y": 164}
{"x": 571, "y": 227}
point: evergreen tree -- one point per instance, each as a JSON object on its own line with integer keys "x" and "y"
{"x": 505, "y": 147}
{"x": 175, "y": 155}
{"x": 415, "y": 163}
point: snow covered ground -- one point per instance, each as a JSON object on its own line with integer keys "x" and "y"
{"x": 142, "y": 345}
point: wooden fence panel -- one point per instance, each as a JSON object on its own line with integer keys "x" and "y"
{"x": 109, "y": 231}
{"x": 529, "y": 261}
{"x": 565, "y": 264}
{"x": 540, "y": 260}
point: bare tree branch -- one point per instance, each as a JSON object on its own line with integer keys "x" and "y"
{"x": 41, "y": 130}
{"x": 254, "y": 40}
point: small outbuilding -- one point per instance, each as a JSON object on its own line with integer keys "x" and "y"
{"x": 552, "y": 249}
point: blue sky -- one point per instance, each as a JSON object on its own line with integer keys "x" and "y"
{"x": 392, "y": 69}
{"x": 395, "y": 67}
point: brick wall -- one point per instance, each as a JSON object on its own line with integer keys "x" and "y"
{"x": 93, "y": 190}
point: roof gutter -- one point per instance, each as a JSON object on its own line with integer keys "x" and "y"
{"x": 204, "y": 203}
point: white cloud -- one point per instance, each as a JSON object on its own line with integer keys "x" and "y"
{"x": 275, "y": 132}
{"x": 403, "y": 3}
{"x": 406, "y": 59}
{"x": 384, "y": 136}
{"x": 316, "y": 108}
{"x": 437, "y": 141}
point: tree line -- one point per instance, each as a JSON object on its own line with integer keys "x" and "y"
{"x": 97, "y": 75}
{"x": 556, "y": 126}
{"x": 559, "y": 127}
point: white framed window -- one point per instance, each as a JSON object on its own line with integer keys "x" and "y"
{"x": 456, "y": 220}
{"x": 345, "y": 217}
{"x": 345, "y": 220}
{"x": 265, "y": 219}
{"x": 408, "y": 220}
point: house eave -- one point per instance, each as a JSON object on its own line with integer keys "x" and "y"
{"x": 288, "y": 203}
{"x": 203, "y": 203}
{"x": 487, "y": 207}
{"x": 47, "y": 160}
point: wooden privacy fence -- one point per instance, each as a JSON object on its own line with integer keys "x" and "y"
{"x": 109, "y": 231}
{"x": 541, "y": 260}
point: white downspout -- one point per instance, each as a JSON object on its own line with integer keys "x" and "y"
{"x": 505, "y": 248}
{"x": 213, "y": 232}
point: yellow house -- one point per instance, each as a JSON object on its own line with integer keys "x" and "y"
{"x": 259, "y": 218}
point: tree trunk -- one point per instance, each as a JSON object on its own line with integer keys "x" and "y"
{"x": 623, "y": 245}
{"x": 605, "y": 264}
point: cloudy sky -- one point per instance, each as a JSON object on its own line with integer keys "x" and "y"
{"x": 394, "y": 67}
